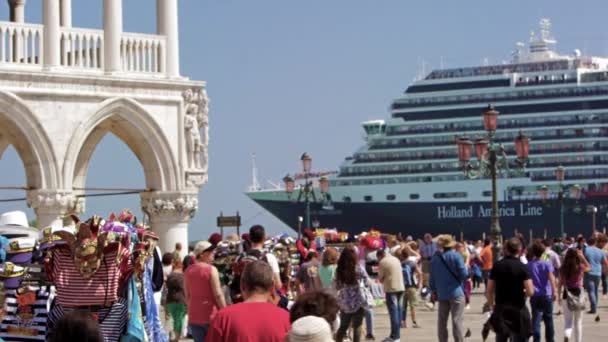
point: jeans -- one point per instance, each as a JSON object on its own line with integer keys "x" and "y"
{"x": 369, "y": 321}
{"x": 199, "y": 331}
{"x": 542, "y": 310}
{"x": 573, "y": 324}
{"x": 605, "y": 283}
{"x": 345, "y": 319}
{"x": 394, "y": 304}
{"x": 485, "y": 275}
{"x": 456, "y": 308}
{"x": 592, "y": 284}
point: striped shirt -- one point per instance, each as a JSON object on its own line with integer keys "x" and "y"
{"x": 112, "y": 320}
{"x": 25, "y": 315}
{"x": 75, "y": 290}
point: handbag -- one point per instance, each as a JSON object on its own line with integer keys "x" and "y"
{"x": 366, "y": 295}
{"x": 575, "y": 302}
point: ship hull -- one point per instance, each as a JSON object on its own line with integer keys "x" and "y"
{"x": 470, "y": 220}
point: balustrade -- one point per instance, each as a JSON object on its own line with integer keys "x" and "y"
{"x": 21, "y": 44}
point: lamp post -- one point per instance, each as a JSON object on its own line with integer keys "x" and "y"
{"x": 491, "y": 160}
{"x": 306, "y": 191}
{"x": 573, "y": 191}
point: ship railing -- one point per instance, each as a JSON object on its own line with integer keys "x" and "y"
{"x": 595, "y": 119}
{"x": 450, "y": 141}
{"x": 505, "y": 97}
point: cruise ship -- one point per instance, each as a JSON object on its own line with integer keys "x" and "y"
{"x": 407, "y": 178}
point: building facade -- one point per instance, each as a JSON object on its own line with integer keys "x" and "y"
{"x": 63, "y": 88}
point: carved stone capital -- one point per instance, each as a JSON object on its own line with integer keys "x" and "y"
{"x": 55, "y": 201}
{"x": 195, "y": 179}
{"x": 169, "y": 205}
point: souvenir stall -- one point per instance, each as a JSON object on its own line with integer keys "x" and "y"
{"x": 104, "y": 269}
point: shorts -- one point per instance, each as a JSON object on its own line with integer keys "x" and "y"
{"x": 411, "y": 296}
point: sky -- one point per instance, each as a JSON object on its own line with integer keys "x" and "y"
{"x": 287, "y": 77}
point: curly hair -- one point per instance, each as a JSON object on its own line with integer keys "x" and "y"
{"x": 315, "y": 303}
{"x": 346, "y": 272}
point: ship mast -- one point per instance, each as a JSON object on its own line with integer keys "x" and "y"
{"x": 255, "y": 184}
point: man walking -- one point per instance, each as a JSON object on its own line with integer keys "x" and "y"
{"x": 487, "y": 260}
{"x": 428, "y": 248}
{"x": 448, "y": 272}
{"x": 389, "y": 273}
{"x": 591, "y": 281}
{"x": 543, "y": 279}
{"x": 508, "y": 286}
{"x": 256, "y": 319}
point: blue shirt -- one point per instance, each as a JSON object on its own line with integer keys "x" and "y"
{"x": 442, "y": 281}
{"x": 539, "y": 272}
{"x": 428, "y": 250}
{"x": 595, "y": 257}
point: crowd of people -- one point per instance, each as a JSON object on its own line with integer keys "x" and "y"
{"x": 330, "y": 295}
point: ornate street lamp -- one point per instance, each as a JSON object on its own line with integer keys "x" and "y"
{"x": 306, "y": 192}
{"x": 573, "y": 192}
{"x": 491, "y": 159}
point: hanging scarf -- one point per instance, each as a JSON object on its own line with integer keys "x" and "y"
{"x": 135, "y": 326}
{"x": 154, "y": 327}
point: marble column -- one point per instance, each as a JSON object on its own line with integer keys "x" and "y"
{"x": 112, "y": 34}
{"x": 52, "y": 34}
{"x": 17, "y": 10}
{"x": 52, "y": 206}
{"x": 66, "y": 13}
{"x": 167, "y": 25}
{"x": 17, "y": 15}
{"x": 169, "y": 214}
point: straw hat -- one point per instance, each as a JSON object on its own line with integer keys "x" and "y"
{"x": 310, "y": 329}
{"x": 14, "y": 218}
{"x": 446, "y": 241}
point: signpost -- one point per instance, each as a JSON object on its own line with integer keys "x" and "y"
{"x": 229, "y": 221}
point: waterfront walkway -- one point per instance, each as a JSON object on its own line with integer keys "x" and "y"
{"x": 474, "y": 319}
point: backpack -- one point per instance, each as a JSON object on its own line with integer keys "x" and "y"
{"x": 408, "y": 275}
{"x": 237, "y": 270}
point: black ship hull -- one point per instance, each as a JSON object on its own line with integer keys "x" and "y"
{"x": 470, "y": 220}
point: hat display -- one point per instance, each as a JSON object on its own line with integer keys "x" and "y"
{"x": 310, "y": 329}
{"x": 55, "y": 236}
{"x": 446, "y": 241}
{"x": 20, "y": 250}
{"x": 12, "y": 275}
{"x": 14, "y": 218}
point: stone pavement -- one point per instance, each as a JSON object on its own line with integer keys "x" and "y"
{"x": 474, "y": 319}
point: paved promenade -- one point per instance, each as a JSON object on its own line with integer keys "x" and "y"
{"x": 474, "y": 319}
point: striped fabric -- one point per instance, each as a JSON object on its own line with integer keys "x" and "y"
{"x": 74, "y": 290}
{"x": 112, "y": 320}
{"x": 26, "y": 315}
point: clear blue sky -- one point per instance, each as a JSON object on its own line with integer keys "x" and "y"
{"x": 286, "y": 77}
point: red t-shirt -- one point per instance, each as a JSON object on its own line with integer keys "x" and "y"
{"x": 250, "y": 322}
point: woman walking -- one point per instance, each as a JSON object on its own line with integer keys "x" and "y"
{"x": 327, "y": 270}
{"x": 571, "y": 284}
{"x": 204, "y": 295}
{"x": 349, "y": 278}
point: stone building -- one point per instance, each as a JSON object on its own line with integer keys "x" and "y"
{"x": 63, "y": 88}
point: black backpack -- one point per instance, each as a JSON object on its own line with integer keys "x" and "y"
{"x": 237, "y": 270}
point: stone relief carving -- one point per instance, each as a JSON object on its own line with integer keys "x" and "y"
{"x": 196, "y": 126}
{"x": 174, "y": 204}
{"x": 55, "y": 201}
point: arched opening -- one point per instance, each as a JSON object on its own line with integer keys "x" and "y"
{"x": 113, "y": 165}
{"x": 13, "y": 175}
{"x": 130, "y": 123}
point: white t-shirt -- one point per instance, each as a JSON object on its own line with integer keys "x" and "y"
{"x": 273, "y": 262}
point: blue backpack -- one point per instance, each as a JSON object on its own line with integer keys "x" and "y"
{"x": 408, "y": 275}
{"x": 476, "y": 270}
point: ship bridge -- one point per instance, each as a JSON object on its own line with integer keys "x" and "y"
{"x": 63, "y": 88}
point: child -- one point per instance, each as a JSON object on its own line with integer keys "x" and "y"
{"x": 176, "y": 299}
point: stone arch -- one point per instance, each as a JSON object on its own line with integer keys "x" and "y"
{"x": 22, "y": 129}
{"x": 132, "y": 124}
